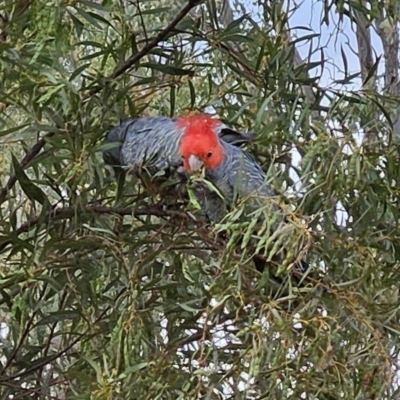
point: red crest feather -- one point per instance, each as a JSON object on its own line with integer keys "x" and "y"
{"x": 201, "y": 140}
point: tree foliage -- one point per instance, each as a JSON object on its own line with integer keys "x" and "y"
{"x": 135, "y": 295}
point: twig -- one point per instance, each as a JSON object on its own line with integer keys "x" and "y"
{"x": 50, "y": 338}
{"x": 19, "y": 8}
{"x": 24, "y": 335}
{"x": 66, "y": 349}
{"x": 141, "y": 20}
{"x": 67, "y": 212}
{"x": 29, "y": 392}
{"x": 149, "y": 46}
{"x": 33, "y": 152}
{"x": 119, "y": 70}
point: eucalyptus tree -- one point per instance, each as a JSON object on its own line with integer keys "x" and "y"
{"x": 118, "y": 292}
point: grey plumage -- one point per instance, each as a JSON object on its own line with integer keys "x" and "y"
{"x": 150, "y": 142}
{"x": 239, "y": 176}
{"x": 153, "y": 142}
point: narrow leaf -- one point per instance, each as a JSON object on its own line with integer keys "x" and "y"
{"x": 30, "y": 189}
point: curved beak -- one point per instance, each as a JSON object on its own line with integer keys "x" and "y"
{"x": 195, "y": 163}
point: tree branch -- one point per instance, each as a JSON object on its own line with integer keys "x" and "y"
{"x": 24, "y": 335}
{"x": 20, "y": 8}
{"x": 119, "y": 70}
{"x": 387, "y": 29}
{"x": 363, "y": 35}
{"x": 149, "y": 46}
{"x": 68, "y": 212}
{"x": 33, "y": 152}
{"x": 65, "y": 350}
{"x": 365, "y": 52}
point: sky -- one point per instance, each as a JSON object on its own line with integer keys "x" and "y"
{"x": 308, "y": 15}
{"x": 336, "y": 40}
{"x": 334, "y": 37}
{"x": 305, "y": 18}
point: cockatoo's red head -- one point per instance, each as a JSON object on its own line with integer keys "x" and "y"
{"x": 200, "y": 145}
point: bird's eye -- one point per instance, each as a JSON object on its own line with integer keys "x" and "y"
{"x": 209, "y": 154}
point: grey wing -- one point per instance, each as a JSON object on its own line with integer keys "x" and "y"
{"x": 258, "y": 179}
{"x": 236, "y": 138}
{"x": 115, "y": 137}
{"x": 151, "y": 142}
{"x": 246, "y": 175}
{"x": 233, "y": 137}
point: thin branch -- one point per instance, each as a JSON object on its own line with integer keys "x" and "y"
{"x": 29, "y": 392}
{"x": 24, "y": 335}
{"x": 50, "y": 338}
{"x": 43, "y": 363}
{"x": 66, "y": 349}
{"x": 387, "y": 29}
{"x": 149, "y": 46}
{"x": 68, "y": 212}
{"x": 365, "y": 52}
{"x": 119, "y": 70}
{"x": 142, "y": 20}
{"x": 33, "y": 152}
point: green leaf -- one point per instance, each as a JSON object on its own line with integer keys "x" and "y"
{"x": 186, "y": 307}
{"x": 155, "y": 11}
{"x": 193, "y": 199}
{"x": 100, "y": 230}
{"x": 168, "y": 69}
{"x": 78, "y": 25}
{"x": 235, "y": 26}
{"x": 58, "y": 316}
{"x": 78, "y": 71}
{"x": 137, "y": 367}
{"x": 192, "y": 94}
{"x": 91, "y": 18}
{"x": 50, "y": 93}
{"x": 14, "y": 129}
{"x": 172, "y": 102}
{"x": 92, "y": 4}
{"x": 29, "y": 188}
